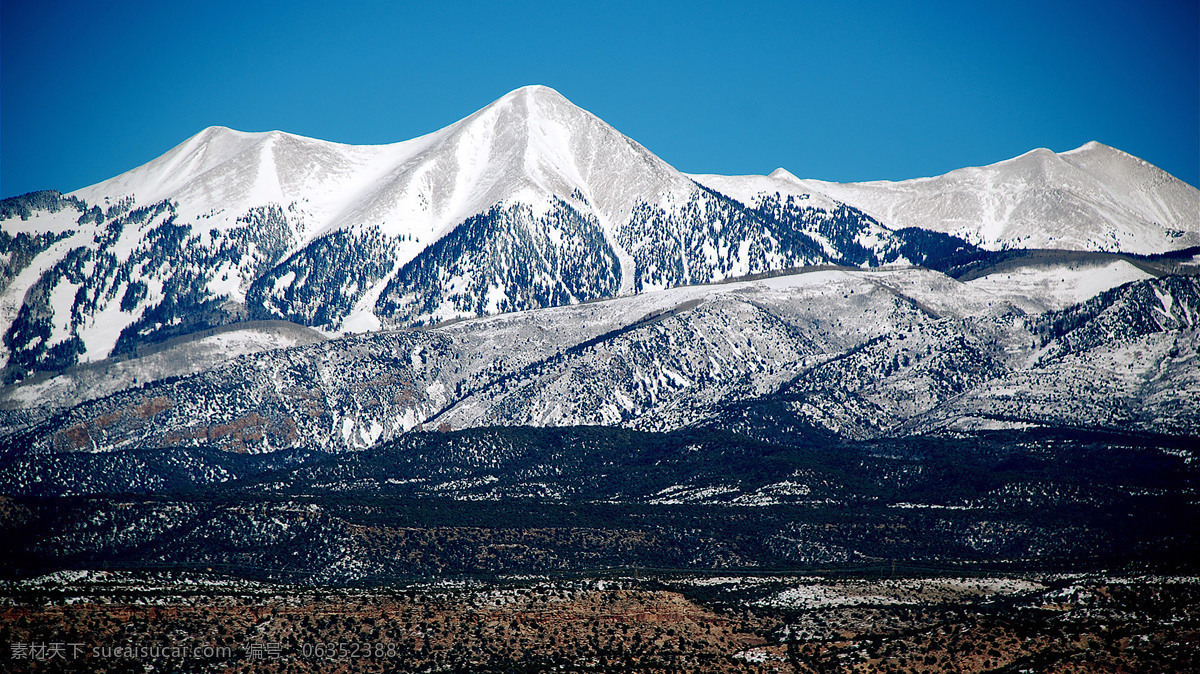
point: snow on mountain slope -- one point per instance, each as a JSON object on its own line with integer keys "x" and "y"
{"x": 658, "y": 359}
{"x": 550, "y": 205}
{"x": 751, "y": 190}
{"x": 857, "y": 354}
{"x": 530, "y": 202}
{"x": 1039, "y": 288}
{"x": 527, "y": 146}
{"x": 777, "y": 198}
{"x": 1127, "y": 358}
{"x": 187, "y": 356}
{"x": 845, "y": 234}
{"x": 1092, "y": 198}
{"x": 702, "y": 347}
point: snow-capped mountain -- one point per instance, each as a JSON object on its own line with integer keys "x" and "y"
{"x": 1094, "y": 197}
{"x": 530, "y": 202}
{"x": 768, "y": 353}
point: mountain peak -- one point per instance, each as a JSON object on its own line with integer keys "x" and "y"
{"x": 783, "y": 174}
{"x": 534, "y": 138}
{"x": 1095, "y": 151}
{"x": 1094, "y": 197}
{"x": 531, "y": 100}
{"x": 217, "y": 133}
{"x": 538, "y": 91}
{"x": 1038, "y": 154}
{"x": 1091, "y": 146}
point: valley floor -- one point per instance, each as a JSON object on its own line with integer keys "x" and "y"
{"x": 117, "y": 621}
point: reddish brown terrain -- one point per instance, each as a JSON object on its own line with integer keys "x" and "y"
{"x": 672, "y": 625}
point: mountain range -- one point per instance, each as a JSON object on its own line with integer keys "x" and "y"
{"x": 529, "y": 203}
{"x": 526, "y": 344}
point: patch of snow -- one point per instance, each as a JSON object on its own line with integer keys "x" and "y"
{"x": 1056, "y": 286}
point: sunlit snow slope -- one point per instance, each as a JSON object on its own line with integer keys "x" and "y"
{"x": 530, "y": 202}
{"x": 828, "y": 353}
{"x": 1094, "y": 197}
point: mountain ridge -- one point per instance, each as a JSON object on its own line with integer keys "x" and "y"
{"x": 527, "y": 203}
{"x": 856, "y": 354}
{"x": 651, "y": 368}
{"x": 1094, "y": 197}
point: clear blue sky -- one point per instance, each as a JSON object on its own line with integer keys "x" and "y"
{"x": 834, "y": 90}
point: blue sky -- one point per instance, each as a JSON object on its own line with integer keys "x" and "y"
{"x": 833, "y": 90}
